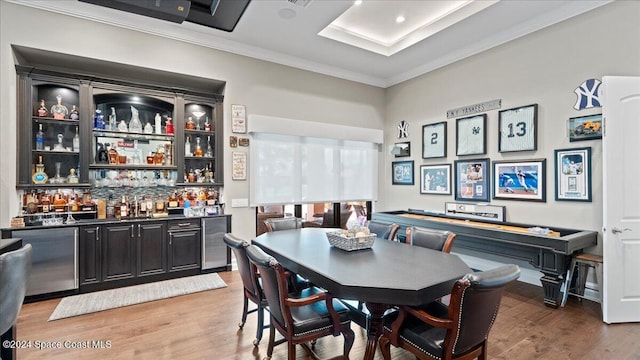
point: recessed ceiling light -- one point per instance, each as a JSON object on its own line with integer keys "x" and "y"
{"x": 357, "y": 2}
{"x": 400, "y": 19}
{"x": 287, "y": 13}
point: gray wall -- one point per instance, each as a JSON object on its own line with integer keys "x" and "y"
{"x": 263, "y": 87}
{"x": 544, "y": 68}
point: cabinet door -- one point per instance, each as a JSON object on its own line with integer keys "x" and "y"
{"x": 119, "y": 252}
{"x": 152, "y": 248}
{"x": 184, "y": 250}
{"x": 90, "y": 255}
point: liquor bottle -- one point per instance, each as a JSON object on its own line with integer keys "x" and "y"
{"x": 76, "y": 141}
{"x": 149, "y": 206}
{"x": 58, "y": 110}
{"x": 212, "y": 197}
{"x": 190, "y": 125}
{"x": 198, "y": 152}
{"x": 42, "y": 110}
{"x": 113, "y": 155}
{"x": 39, "y": 176}
{"x": 187, "y": 147}
{"x": 173, "y": 200}
{"x": 124, "y": 207}
{"x": 159, "y": 206}
{"x": 122, "y": 126}
{"x": 207, "y": 124}
{"x": 134, "y": 207}
{"x": 112, "y": 120}
{"x": 148, "y": 129}
{"x": 209, "y": 152}
{"x": 158, "y": 121}
{"x": 169, "y": 129}
{"x": 59, "y": 201}
{"x": 134, "y": 125}
{"x": 111, "y": 208}
{"x": 74, "y": 114}
{"x": 72, "y": 178}
{"x": 46, "y": 202}
{"x": 40, "y": 138}
{"x": 98, "y": 120}
{"x": 143, "y": 207}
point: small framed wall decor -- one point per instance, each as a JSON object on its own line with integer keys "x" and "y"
{"x": 402, "y": 173}
{"x": 573, "y": 174}
{"x": 518, "y": 129}
{"x": 434, "y": 140}
{"x": 238, "y": 119}
{"x": 471, "y": 137}
{"x": 435, "y": 179}
{"x": 585, "y": 127}
{"x": 520, "y": 180}
{"x": 472, "y": 180}
{"x": 238, "y": 165}
{"x": 402, "y": 149}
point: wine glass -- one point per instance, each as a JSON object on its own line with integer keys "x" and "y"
{"x": 198, "y": 115}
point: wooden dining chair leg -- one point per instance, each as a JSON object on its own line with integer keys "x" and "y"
{"x": 349, "y": 337}
{"x": 385, "y": 348}
{"x": 260, "y": 328}
{"x": 291, "y": 351}
{"x": 245, "y": 310}
{"x": 272, "y": 339}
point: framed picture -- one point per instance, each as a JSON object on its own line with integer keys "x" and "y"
{"x": 472, "y": 180}
{"x": 434, "y": 140}
{"x": 520, "y": 180}
{"x": 402, "y": 172}
{"x": 471, "y": 137}
{"x": 238, "y": 165}
{"x": 435, "y": 179}
{"x": 518, "y": 129}
{"x": 573, "y": 174}
{"x": 402, "y": 149}
{"x": 585, "y": 127}
{"x": 238, "y": 119}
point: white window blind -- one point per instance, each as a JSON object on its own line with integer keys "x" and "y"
{"x": 289, "y": 169}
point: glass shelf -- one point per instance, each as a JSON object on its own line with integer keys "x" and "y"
{"x": 132, "y": 135}
{"x": 199, "y": 157}
{"x": 56, "y": 152}
{"x": 56, "y": 186}
{"x": 48, "y": 120}
{"x": 199, "y": 132}
{"x": 197, "y": 184}
{"x": 132, "y": 167}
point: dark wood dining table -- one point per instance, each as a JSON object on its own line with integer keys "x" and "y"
{"x": 388, "y": 274}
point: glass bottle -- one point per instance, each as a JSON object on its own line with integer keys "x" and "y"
{"x": 46, "y": 202}
{"x": 59, "y": 146}
{"x": 76, "y": 141}
{"x": 192, "y": 176}
{"x": 113, "y": 155}
{"x": 57, "y": 179}
{"x": 72, "y": 178}
{"x": 40, "y": 138}
{"x": 40, "y": 176}
{"x": 112, "y": 120}
{"x": 198, "y": 152}
{"x": 149, "y": 206}
{"x": 122, "y": 126}
{"x": 207, "y": 124}
{"x": 124, "y": 207}
{"x": 158, "y": 158}
{"x": 134, "y": 125}
{"x": 169, "y": 129}
{"x": 190, "y": 125}
{"x": 187, "y": 147}
{"x": 111, "y": 208}
{"x": 74, "y": 114}
{"x": 136, "y": 159}
{"x": 158, "y": 122}
{"x": 42, "y": 110}
{"x": 173, "y": 200}
{"x": 148, "y": 129}
{"x": 58, "y": 110}
{"x": 209, "y": 152}
{"x": 98, "y": 120}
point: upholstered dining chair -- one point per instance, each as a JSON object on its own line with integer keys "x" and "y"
{"x": 15, "y": 267}
{"x": 299, "y": 319}
{"x": 459, "y": 331}
{"x": 252, "y": 287}
{"x": 288, "y": 223}
{"x": 441, "y": 240}
{"x": 383, "y": 230}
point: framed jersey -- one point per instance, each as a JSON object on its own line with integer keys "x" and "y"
{"x": 434, "y": 140}
{"x": 518, "y": 129}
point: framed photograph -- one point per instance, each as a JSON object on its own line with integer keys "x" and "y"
{"x": 518, "y": 129}
{"x": 402, "y": 149}
{"x": 402, "y": 173}
{"x": 435, "y": 179}
{"x": 238, "y": 165}
{"x": 472, "y": 180}
{"x": 573, "y": 174}
{"x": 520, "y": 180}
{"x": 471, "y": 137}
{"x": 434, "y": 140}
{"x": 585, "y": 127}
{"x": 238, "y": 119}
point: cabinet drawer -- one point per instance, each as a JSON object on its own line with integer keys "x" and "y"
{"x": 184, "y": 224}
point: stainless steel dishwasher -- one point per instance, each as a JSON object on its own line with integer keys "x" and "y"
{"x": 54, "y": 259}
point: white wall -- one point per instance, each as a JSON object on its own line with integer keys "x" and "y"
{"x": 265, "y": 88}
{"x": 544, "y": 68}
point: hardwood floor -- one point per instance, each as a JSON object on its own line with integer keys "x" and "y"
{"x": 204, "y": 326}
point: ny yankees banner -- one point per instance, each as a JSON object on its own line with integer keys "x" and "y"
{"x": 403, "y": 129}
{"x": 588, "y": 94}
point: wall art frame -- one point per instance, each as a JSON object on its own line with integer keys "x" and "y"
{"x": 404, "y": 149}
{"x": 520, "y": 180}
{"x": 471, "y": 135}
{"x": 573, "y": 174}
{"x": 518, "y": 129}
{"x": 402, "y": 173}
{"x": 585, "y": 127}
{"x": 435, "y": 179}
{"x": 434, "y": 140}
{"x": 472, "y": 180}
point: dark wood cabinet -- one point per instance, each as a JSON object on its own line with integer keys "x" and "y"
{"x": 152, "y": 248}
{"x": 185, "y": 243}
{"x": 118, "y": 252}
{"x": 90, "y": 258}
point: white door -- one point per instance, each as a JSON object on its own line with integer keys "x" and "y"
{"x": 621, "y": 197}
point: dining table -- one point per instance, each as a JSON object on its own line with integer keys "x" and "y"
{"x": 385, "y": 275}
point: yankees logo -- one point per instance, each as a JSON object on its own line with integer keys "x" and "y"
{"x": 403, "y": 129}
{"x": 587, "y": 94}
{"x": 475, "y": 130}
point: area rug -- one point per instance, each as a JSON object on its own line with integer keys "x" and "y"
{"x": 110, "y": 299}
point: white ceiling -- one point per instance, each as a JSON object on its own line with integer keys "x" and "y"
{"x": 286, "y": 32}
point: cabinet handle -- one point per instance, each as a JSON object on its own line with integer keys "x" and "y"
{"x": 138, "y": 230}
{"x": 97, "y": 233}
{"x": 131, "y": 230}
{"x": 170, "y": 237}
{"x": 184, "y": 224}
